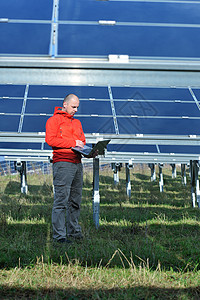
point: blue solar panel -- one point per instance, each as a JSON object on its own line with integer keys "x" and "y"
{"x": 156, "y": 109}
{"x": 23, "y": 9}
{"x": 158, "y": 126}
{"x": 9, "y": 145}
{"x": 35, "y": 106}
{"x": 86, "y": 107}
{"x": 141, "y": 29}
{"x": 132, "y": 148}
{"x": 61, "y": 91}
{"x": 34, "y": 123}
{"x": 97, "y": 125}
{"x": 151, "y": 116}
{"x": 9, "y": 123}
{"x": 11, "y": 105}
{"x": 8, "y": 90}
{"x": 138, "y": 93}
{"x": 197, "y": 94}
{"x": 90, "y": 125}
{"x": 128, "y": 40}
{"x": 179, "y": 149}
{"x": 27, "y": 39}
{"x": 81, "y": 10}
{"x": 95, "y": 107}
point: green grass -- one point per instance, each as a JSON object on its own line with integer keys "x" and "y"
{"x": 147, "y": 247}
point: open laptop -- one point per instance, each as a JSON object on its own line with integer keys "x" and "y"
{"x": 88, "y": 151}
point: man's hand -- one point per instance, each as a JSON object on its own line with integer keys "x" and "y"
{"x": 79, "y": 143}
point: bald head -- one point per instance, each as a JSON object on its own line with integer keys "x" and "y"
{"x": 70, "y": 104}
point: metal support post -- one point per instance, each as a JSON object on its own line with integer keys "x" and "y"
{"x": 173, "y": 170}
{"x": 196, "y": 166}
{"x": 96, "y": 195}
{"x": 161, "y": 177}
{"x": 128, "y": 180}
{"x": 116, "y": 167}
{"x": 20, "y": 166}
{"x": 192, "y": 174}
{"x": 194, "y": 171}
{"x": 183, "y": 174}
{"x": 198, "y": 192}
{"x": 153, "y": 172}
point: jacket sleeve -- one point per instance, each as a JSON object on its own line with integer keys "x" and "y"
{"x": 83, "y": 135}
{"x": 52, "y": 138}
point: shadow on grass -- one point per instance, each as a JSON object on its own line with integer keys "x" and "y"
{"x": 14, "y": 187}
{"x": 24, "y": 242}
{"x": 136, "y": 292}
{"x": 155, "y": 243}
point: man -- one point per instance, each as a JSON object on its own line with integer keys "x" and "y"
{"x": 62, "y": 133}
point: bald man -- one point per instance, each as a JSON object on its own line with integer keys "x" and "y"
{"x": 63, "y": 132}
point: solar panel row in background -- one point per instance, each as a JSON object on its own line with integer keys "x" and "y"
{"x": 128, "y": 110}
{"x": 99, "y": 28}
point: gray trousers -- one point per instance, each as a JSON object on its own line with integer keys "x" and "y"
{"x": 68, "y": 182}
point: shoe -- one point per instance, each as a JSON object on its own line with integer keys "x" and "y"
{"x": 77, "y": 236}
{"x": 63, "y": 241}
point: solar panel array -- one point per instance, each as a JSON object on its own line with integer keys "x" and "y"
{"x": 99, "y": 28}
{"x": 90, "y": 28}
{"x": 114, "y": 110}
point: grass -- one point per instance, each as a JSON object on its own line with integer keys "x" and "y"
{"x": 147, "y": 247}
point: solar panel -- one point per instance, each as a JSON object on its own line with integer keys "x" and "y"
{"x": 10, "y": 90}
{"x": 31, "y": 10}
{"x": 24, "y": 39}
{"x": 9, "y": 123}
{"x": 10, "y": 106}
{"x": 128, "y": 40}
{"x": 158, "y": 126}
{"x": 127, "y": 11}
{"x": 179, "y": 149}
{"x": 153, "y": 94}
{"x": 153, "y": 115}
{"x": 59, "y": 92}
{"x": 135, "y": 28}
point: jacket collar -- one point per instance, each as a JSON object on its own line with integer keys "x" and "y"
{"x": 58, "y": 110}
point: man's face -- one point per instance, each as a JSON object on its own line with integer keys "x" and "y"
{"x": 71, "y": 107}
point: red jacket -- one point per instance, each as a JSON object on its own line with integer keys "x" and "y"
{"x": 62, "y": 131}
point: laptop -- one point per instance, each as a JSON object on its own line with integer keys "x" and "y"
{"x": 88, "y": 151}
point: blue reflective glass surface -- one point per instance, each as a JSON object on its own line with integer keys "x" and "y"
{"x": 47, "y": 147}
{"x": 179, "y": 149}
{"x": 132, "y": 148}
{"x": 145, "y": 108}
{"x": 197, "y": 94}
{"x": 11, "y": 105}
{"x": 26, "y": 9}
{"x": 35, "y": 106}
{"x": 24, "y": 38}
{"x": 21, "y": 145}
{"x": 95, "y": 107}
{"x": 8, "y": 90}
{"x": 92, "y": 10}
{"x": 34, "y": 123}
{"x": 62, "y": 91}
{"x": 97, "y": 124}
{"x": 9, "y": 123}
{"x": 86, "y": 107}
{"x": 138, "y": 93}
{"x": 144, "y": 41}
{"x": 158, "y": 126}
